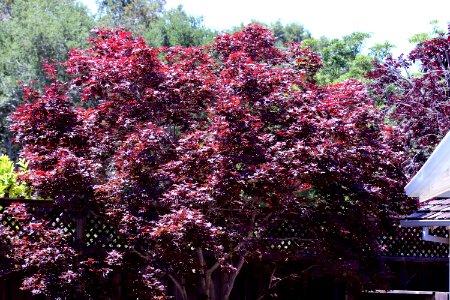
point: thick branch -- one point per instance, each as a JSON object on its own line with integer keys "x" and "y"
{"x": 179, "y": 287}
{"x": 273, "y": 285}
{"x": 228, "y": 255}
{"x": 230, "y": 284}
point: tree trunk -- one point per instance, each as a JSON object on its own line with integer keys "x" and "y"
{"x": 212, "y": 291}
{"x": 205, "y": 281}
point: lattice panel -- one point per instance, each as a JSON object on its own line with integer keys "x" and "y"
{"x": 62, "y": 220}
{"x": 407, "y": 242}
{"x": 56, "y": 219}
{"x": 289, "y": 236}
{"x": 101, "y": 234}
{"x": 404, "y": 242}
{"x": 8, "y": 221}
{"x": 98, "y": 232}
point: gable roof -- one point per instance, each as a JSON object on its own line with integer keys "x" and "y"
{"x": 433, "y": 179}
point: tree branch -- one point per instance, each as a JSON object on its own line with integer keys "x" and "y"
{"x": 141, "y": 255}
{"x": 228, "y": 255}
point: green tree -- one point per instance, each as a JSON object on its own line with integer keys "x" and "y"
{"x": 343, "y": 58}
{"x": 292, "y": 32}
{"x": 147, "y": 18}
{"x": 339, "y": 56}
{"x": 32, "y": 32}
{"x": 136, "y": 16}
{"x": 381, "y": 51}
{"x": 176, "y": 27}
{"x": 423, "y": 36}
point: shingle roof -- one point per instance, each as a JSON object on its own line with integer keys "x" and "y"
{"x": 433, "y": 213}
{"x": 433, "y": 210}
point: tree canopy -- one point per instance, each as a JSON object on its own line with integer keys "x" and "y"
{"x": 195, "y": 155}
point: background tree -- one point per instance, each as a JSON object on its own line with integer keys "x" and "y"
{"x": 133, "y": 15}
{"x": 176, "y": 28}
{"x": 344, "y": 58}
{"x": 196, "y": 155}
{"x": 423, "y": 36}
{"x": 284, "y": 33}
{"x": 160, "y": 27}
{"x": 35, "y": 32}
{"x": 10, "y": 186}
{"x": 381, "y": 51}
{"x": 289, "y": 33}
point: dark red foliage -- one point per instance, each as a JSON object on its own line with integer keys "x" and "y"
{"x": 196, "y": 155}
{"x": 256, "y": 42}
{"x": 55, "y": 141}
{"x": 416, "y": 101}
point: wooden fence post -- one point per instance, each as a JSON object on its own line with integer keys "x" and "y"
{"x": 80, "y": 232}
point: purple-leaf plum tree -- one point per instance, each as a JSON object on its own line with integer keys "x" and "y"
{"x": 195, "y": 155}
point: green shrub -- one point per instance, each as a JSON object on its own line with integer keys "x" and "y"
{"x": 10, "y": 186}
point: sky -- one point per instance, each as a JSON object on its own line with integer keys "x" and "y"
{"x": 391, "y": 20}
